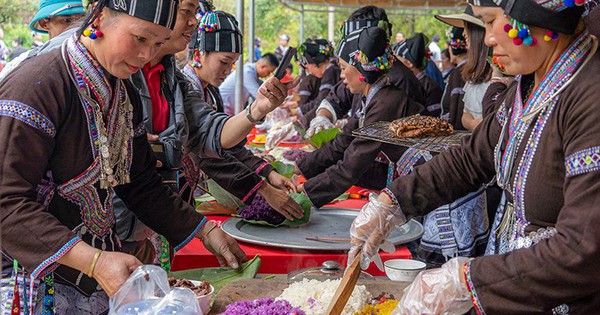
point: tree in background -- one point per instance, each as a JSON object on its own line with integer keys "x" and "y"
{"x": 273, "y": 18}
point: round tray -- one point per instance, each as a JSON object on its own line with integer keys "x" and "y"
{"x": 324, "y": 223}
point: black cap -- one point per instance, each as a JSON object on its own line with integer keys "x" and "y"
{"x": 458, "y": 43}
{"x": 413, "y": 49}
{"x": 160, "y": 12}
{"x": 217, "y": 31}
{"x": 314, "y": 51}
{"x": 368, "y": 50}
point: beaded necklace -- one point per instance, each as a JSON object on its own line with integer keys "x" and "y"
{"x": 546, "y": 92}
{"x": 536, "y": 112}
{"x": 111, "y": 136}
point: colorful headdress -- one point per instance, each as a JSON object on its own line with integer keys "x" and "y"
{"x": 314, "y": 51}
{"x": 369, "y": 51}
{"x": 217, "y": 31}
{"x": 458, "y": 43}
{"x": 557, "y": 16}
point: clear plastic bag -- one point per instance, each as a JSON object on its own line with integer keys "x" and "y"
{"x": 147, "y": 291}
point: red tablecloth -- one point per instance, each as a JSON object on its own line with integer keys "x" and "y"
{"x": 276, "y": 260}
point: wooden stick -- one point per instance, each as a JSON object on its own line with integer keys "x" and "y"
{"x": 343, "y": 292}
{"x": 328, "y": 239}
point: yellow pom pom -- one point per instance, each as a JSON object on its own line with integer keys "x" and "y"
{"x": 513, "y": 33}
{"x": 547, "y": 38}
{"x": 87, "y": 33}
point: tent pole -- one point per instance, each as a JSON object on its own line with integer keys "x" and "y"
{"x": 239, "y": 73}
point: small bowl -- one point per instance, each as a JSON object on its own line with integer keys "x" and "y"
{"x": 204, "y": 300}
{"x": 403, "y": 269}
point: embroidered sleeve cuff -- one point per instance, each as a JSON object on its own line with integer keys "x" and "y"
{"x": 253, "y": 190}
{"x": 391, "y": 195}
{"x": 471, "y": 288}
{"x": 189, "y": 238}
{"x": 260, "y": 167}
{"x": 50, "y": 263}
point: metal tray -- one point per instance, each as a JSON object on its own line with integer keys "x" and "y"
{"x": 380, "y": 131}
{"x": 324, "y": 223}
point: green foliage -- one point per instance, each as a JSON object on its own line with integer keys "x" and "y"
{"x": 21, "y": 11}
{"x": 273, "y": 18}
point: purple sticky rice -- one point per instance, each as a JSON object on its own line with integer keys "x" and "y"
{"x": 265, "y": 306}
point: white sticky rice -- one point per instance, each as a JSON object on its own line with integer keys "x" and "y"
{"x": 313, "y": 296}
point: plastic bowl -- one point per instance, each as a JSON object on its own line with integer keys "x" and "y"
{"x": 204, "y": 300}
{"x": 403, "y": 269}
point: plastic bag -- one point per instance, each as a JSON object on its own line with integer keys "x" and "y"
{"x": 147, "y": 291}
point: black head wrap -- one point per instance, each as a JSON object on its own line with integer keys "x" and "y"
{"x": 413, "y": 49}
{"x": 369, "y": 51}
{"x": 217, "y": 31}
{"x": 161, "y": 12}
{"x": 458, "y": 43}
{"x": 314, "y": 51}
{"x": 558, "y": 15}
{"x": 206, "y": 6}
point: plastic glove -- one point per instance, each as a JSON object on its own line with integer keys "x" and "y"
{"x": 224, "y": 247}
{"x": 341, "y": 123}
{"x": 317, "y": 124}
{"x": 370, "y": 229}
{"x": 276, "y": 136}
{"x": 437, "y": 291}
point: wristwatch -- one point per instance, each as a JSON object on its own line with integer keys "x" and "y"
{"x": 250, "y": 118}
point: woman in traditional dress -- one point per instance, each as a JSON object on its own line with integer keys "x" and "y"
{"x": 314, "y": 56}
{"x": 212, "y": 53}
{"x": 70, "y": 142}
{"x": 365, "y": 58}
{"x": 542, "y": 146}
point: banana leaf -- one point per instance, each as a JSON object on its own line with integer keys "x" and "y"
{"x": 222, "y": 196}
{"x": 286, "y": 170}
{"x": 220, "y": 276}
{"x": 303, "y": 201}
{"x": 323, "y": 136}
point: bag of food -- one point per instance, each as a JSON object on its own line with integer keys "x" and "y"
{"x": 147, "y": 292}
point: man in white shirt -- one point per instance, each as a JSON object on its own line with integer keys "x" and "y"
{"x": 436, "y": 52}
{"x": 263, "y": 68}
{"x": 284, "y": 42}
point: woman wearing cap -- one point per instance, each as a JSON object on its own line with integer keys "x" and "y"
{"x": 75, "y": 139}
{"x": 314, "y": 56}
{"x": 365, "y": 58}
{"x": 542, "y": 146}
{"x": 477, "y": 72}
{"x": 54, "y": 16}
{"x": 413, "y": 55}
{"x": 212, "y": 53}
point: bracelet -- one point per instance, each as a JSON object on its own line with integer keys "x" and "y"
{"x": 93, "y": 265}
{"x": 205, "y": 235}
{"x": 250, "y": 118}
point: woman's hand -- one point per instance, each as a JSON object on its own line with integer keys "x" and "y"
{"x": 224, "y": 247}
{"x": 279, "y": 181}
{"x": 281, "y": 202}
{"x": 271, "y": 95}
{"x": 112, "y": 270}
{"x": 370, "y": 229}
{"x": 438, "y": 291}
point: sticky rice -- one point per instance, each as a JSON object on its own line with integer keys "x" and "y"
{"x": 314, "y": 296}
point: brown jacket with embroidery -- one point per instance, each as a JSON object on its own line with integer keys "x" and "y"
{"x": 561, "y": 190}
